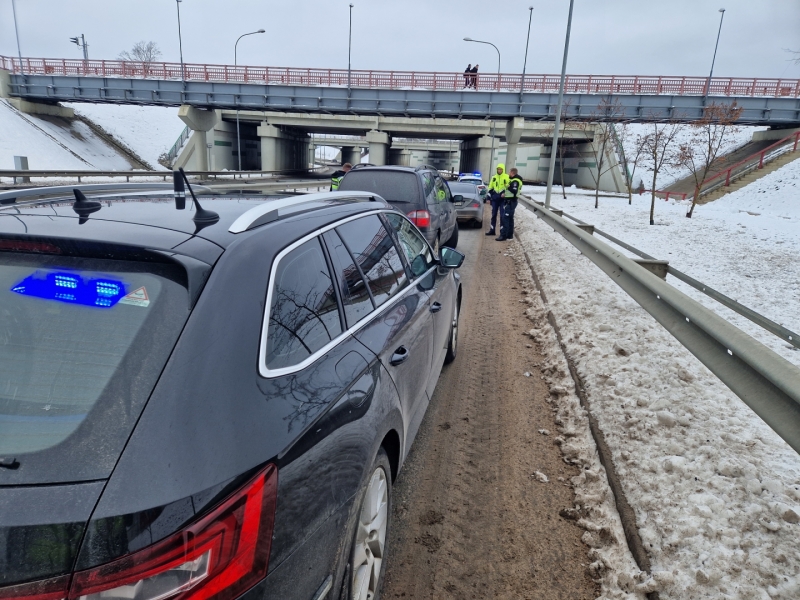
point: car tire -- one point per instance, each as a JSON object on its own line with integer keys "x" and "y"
{"x": 453, "y": 241}
{"x": 476, "y": 224}
{"x": 367, "y": 564}
{"x": 452, "y": 342}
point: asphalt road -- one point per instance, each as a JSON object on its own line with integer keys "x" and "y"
{"x": 470, "y": 520}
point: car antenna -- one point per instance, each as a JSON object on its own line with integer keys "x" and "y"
{"x": 84, "y": 207}
{"x": 202, "y": 218}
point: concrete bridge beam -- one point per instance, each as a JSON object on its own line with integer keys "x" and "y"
{"x": 351, "y": 154}
{"x": 476, "y": 155}
{"x": 378, "y": 147}
{"x": 282, "y": 150}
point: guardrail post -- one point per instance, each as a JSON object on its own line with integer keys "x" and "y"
{"x": 761, "y": 161}
{"x": 728, "y": 178}
{"x": 796, "y": 138}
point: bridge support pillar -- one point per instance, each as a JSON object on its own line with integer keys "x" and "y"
{"x": 514, "y": 129}
{"x": 378, "y": 147}
{"x": 351, "y": 154}
{"x": 400, "y": 157}
{"x": 200, "y": 122}
{"x": 476, "y": 155}
{"x": 282, "y": 150}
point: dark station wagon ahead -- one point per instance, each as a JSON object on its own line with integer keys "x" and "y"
{"x": 213, "y": 402}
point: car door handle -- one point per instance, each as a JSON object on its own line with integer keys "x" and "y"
{"x": 436, "y": 307}
{"x": 400, "y": 355}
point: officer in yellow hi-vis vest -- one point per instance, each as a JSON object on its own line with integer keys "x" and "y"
{"x": 497, "y": 190}
{"x": 509, "y": 206}
{"x": 337, "y": 176}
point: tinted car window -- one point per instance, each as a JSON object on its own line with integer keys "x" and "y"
{"x": 413, "y": 245}
{"x": 373, "y": 250}
{"x": 427, "y": 183}
{"x": 355, "y": 294}
{"x": 463, "y": 188}
{"x": 394, "y": 186}
{"x": 304, "y": 314}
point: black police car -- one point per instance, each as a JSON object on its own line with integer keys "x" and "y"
{"x": 210, "y": 403}
{"x": 419, "y": 192}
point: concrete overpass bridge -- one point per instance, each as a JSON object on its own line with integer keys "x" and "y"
{"x": 772, "y": 102}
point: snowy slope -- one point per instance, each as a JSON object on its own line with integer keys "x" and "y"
{"x": 51, "y": 143}
{"x": 716, "y": 493}
{"x": 147, "y": 130}
{"x": 745, "y": 245}
{"x": 735, "y": 138}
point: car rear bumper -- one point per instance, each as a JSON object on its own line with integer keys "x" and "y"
{"x": 469, "y": 214}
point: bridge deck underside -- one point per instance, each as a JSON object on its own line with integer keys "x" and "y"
{"x": 410, "y": 103}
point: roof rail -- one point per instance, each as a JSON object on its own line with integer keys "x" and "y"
{"x": 362, "y": 165}
{"x": 271, "y": 210}
{"x": 426, "y": 167}
{"x": 10, "y": 197}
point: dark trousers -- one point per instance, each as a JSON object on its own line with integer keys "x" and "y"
{"x": 507, "y": 219}
{"x": 497, "y": 205}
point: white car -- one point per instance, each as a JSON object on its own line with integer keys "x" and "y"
{"x": 475, "y": 178}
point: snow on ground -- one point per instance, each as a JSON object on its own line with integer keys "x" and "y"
{"x": 736, "y": 137}
{"x": 745, "y": 245}
{"x": 715, "y": 491}
{"x": 50, "y": 143}
{"x": 147, "y": 130}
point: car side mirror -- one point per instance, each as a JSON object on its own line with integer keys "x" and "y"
{"x": 458, "y": 200}
{"x": 418, "y": 265}
{"x": 452, "y": 259}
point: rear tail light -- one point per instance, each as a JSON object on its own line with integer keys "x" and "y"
{"x": 420, "y": 218}
{"x": 475, "y": 204}
{"x": 219, "y": 557}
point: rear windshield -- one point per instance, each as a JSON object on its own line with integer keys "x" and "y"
{"x": 393, "y": 186}
{"x": 463, "y": 188}
{"x": 81, "y": 343}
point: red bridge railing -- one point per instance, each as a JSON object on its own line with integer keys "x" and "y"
{"x": 585, "y": 84}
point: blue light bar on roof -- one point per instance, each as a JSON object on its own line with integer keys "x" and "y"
{"x": 71, "y": 288}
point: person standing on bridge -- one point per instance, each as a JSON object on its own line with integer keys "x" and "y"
{"x": 337, "y": 176}
{"x": 509, "y": 206}
{"x": 474, "y": 77}
{"x": 467, "y": 75}
{"x": 497, "y": 190}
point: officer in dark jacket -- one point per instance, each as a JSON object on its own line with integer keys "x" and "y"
{"x": 337, "y": 176}
{"x": 510, "y": 205}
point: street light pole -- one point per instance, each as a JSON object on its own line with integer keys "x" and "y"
{"x": 708, "y": 84}
{"x": 235, "y": 64}
{"x": 525, "y": 62}
{"x": 469, "y": 39}
{"x": 554, "y": 147}
{"x": 349, "y": 46}
{"x": 16, "y": 32}
{"x": 180, "y": 42}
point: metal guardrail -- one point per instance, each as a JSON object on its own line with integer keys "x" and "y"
{"x": 749, "y": 164}
{"x": 79, "y": 174}
{"x": 586, "y": 84}
{"x": 176, "y": 147}
{"x": 766, "y": 382}
{"x": 777, "y": 329}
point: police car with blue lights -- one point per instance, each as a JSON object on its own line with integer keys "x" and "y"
{"x": 210, "y": 397}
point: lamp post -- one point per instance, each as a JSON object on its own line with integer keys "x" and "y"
{"x": 16, "y": 32}
{"x": 469, "y": 39}
{"x": 180, "y": 42}
{"x": 708, "y": 84}
{"x": 525, "y": 62}
{"x": 554, "y": 148}
{"x": 349, "y": 46}
{"x": 475, "y": 84}
{"x": 235, "y": 64}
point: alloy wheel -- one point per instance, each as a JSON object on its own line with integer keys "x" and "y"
{"x": 370, "y": 539}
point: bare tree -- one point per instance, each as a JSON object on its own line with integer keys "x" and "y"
{"x": 709, "y": 136}
{"x": 631, "y": 150}
{"x": 659, "y": 147}
{"x": 603, "y": 139}
{"x": 143, "y": 53}
{"x": 796, "y": 59}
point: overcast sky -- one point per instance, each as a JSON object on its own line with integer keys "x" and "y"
{"x": 647, "y": 37}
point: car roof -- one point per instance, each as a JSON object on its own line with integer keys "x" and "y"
{"x": 465, "y": 186}
{"x": 151, "y": 220}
